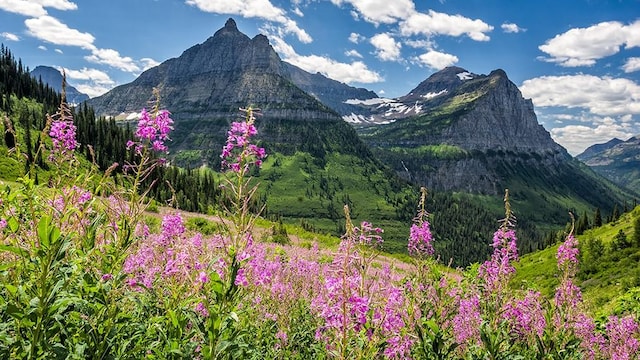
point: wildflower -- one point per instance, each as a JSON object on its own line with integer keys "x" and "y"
{"x": 3, "y": 224}
{"x": 238, "y": 153}
{"x": 106, "y": 277}
{"x": 622, "y": 334}
{"x": 153, "y": 131}
{"x": 466, "y": 323}
{"x": 202, "y": 310}
{"x": 568, "y": 253}
{"x": 420, "y": 240}
{"x": 63, "y": 136}
{"x": 525, "y": 317}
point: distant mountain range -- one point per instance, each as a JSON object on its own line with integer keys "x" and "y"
{"x": 616, "y": 160}
{"x": 52, "y": 77}
{"x": 455, "y": 132}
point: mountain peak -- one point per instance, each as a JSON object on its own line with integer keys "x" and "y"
{"x": 230, "y": 25}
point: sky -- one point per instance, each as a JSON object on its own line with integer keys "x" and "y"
{"x": 578, "y": 60}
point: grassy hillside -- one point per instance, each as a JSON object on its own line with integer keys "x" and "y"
{"x": 609, "y": 273}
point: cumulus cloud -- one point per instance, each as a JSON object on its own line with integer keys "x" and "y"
{"x": 436, "y": 60}
{"x": 356, "y": 71}
{"x": 631, "y": 65}
{"x": 380, "y": 11}
{"x": 262, "y": 9}
{"x": 600, "y": 95}
{"x": 387, "y": 48}
{"x": 10, "y": 36}
{"x": 114, "y": 59}
{"x": 51, "y": 30}
{"x": 576, "y": 138}
{"x": 512, "y": 28}
{"x": 356, "y": 38}
{"x": 584, "y": 46}
{"x": 92, "y": 82}
{"x": 435, "y": 23}
{"x": 35, "y": 8}
{"x": 353, "y": 53}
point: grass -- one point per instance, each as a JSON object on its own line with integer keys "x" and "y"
{"x": 604, "y": 280}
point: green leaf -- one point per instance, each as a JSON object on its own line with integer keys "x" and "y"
{"x": 16, "y": 250}
{"x": 13, "y": 224}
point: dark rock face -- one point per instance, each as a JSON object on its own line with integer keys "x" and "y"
{"x": 617, "y": 160}
{"x": 468, "y": 131}
{"x": 52, "y": 77}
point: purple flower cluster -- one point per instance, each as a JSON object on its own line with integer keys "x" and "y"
{"x": 368, "y": 235}
{"x": 239, "y": 152}
{"x": 63, "y": 136}
{"x": 496, "y": 271}
{"x": 525, "y": 317}
{"x": 152, "y": 130}
{"x": 467, "y": 322}
{"x": 420, "y": 240}
{"x": 568, "y": 253}
{"x": 622, "y": 334}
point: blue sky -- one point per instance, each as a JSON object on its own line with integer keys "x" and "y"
{"x": 578, "y": 60}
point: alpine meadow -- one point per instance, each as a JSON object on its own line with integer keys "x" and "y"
{"x": 227, "y": 204}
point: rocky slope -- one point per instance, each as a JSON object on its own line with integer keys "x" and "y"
{"x": 476, "y": 133}
{"x": 616, "y": 160}
{"x": 52, "y": 77}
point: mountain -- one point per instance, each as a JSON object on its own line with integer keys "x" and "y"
{"x": 52, "y": 77}
{"x": 616, "y": 160}
{"x": 316, "y": 162}
{"x": 595, "y": 149}
{"x": 464, "y": 132}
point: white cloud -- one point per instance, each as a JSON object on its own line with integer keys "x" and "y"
{"x": 356, "y": 38}
{"x": 94, "y": 75}
{"x": 356, "y": 71}
{"x": 23, "y": 7}
{"x": 58, "y": 51}
{"x": 148, "y": 63}
{"x": 435, "y": 23}
{"x": 387, "y": 48}
{"x": 576, "y": 138}
{"x": 380, "y": 11}
{"x": 51, "y": 30}
{"x": 583, "y": 46}
{"x": 512, "y": 28}
{"x": 10, "y": 36}
{"x": 42, "y": 47}
{"x": 262, "y": 9}
{"x": 631, "y": 65}
{"x": 112, "y": 58}
{"x": 57, "y": 4}
{"x": 35, "y": 8}
{"x": 92, "y": 82}
{"x": 298, "y": 12}
{"x": 421, "y": 44}
{"x": 353, "y": 53}
{"x": 437, "y": 60}
{"x": 600, "y": 95}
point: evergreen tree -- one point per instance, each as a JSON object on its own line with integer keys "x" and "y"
{"x": 636, "y": 231}
{"x": 597, "y": 218}
{"x": 615, "y": 215}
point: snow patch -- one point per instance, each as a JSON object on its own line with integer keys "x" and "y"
{"x": 374, "y": 101}
{"x": 431, "y": 95}
{"x": 465, "y": 76}
{"x": 353, "y": 118}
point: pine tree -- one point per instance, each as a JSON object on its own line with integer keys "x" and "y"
{"x": 597, "y": 218}
{"x": 636, "y": 231}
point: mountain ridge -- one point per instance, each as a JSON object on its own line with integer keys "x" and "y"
{"x": 52, "y": 77}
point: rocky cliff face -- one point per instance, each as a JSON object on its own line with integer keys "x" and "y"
{"x": 472, "y": 133}
{"x": 53, "y": 78}
{"x": 205, "y": 86}
{"x": 214, "y": 79}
